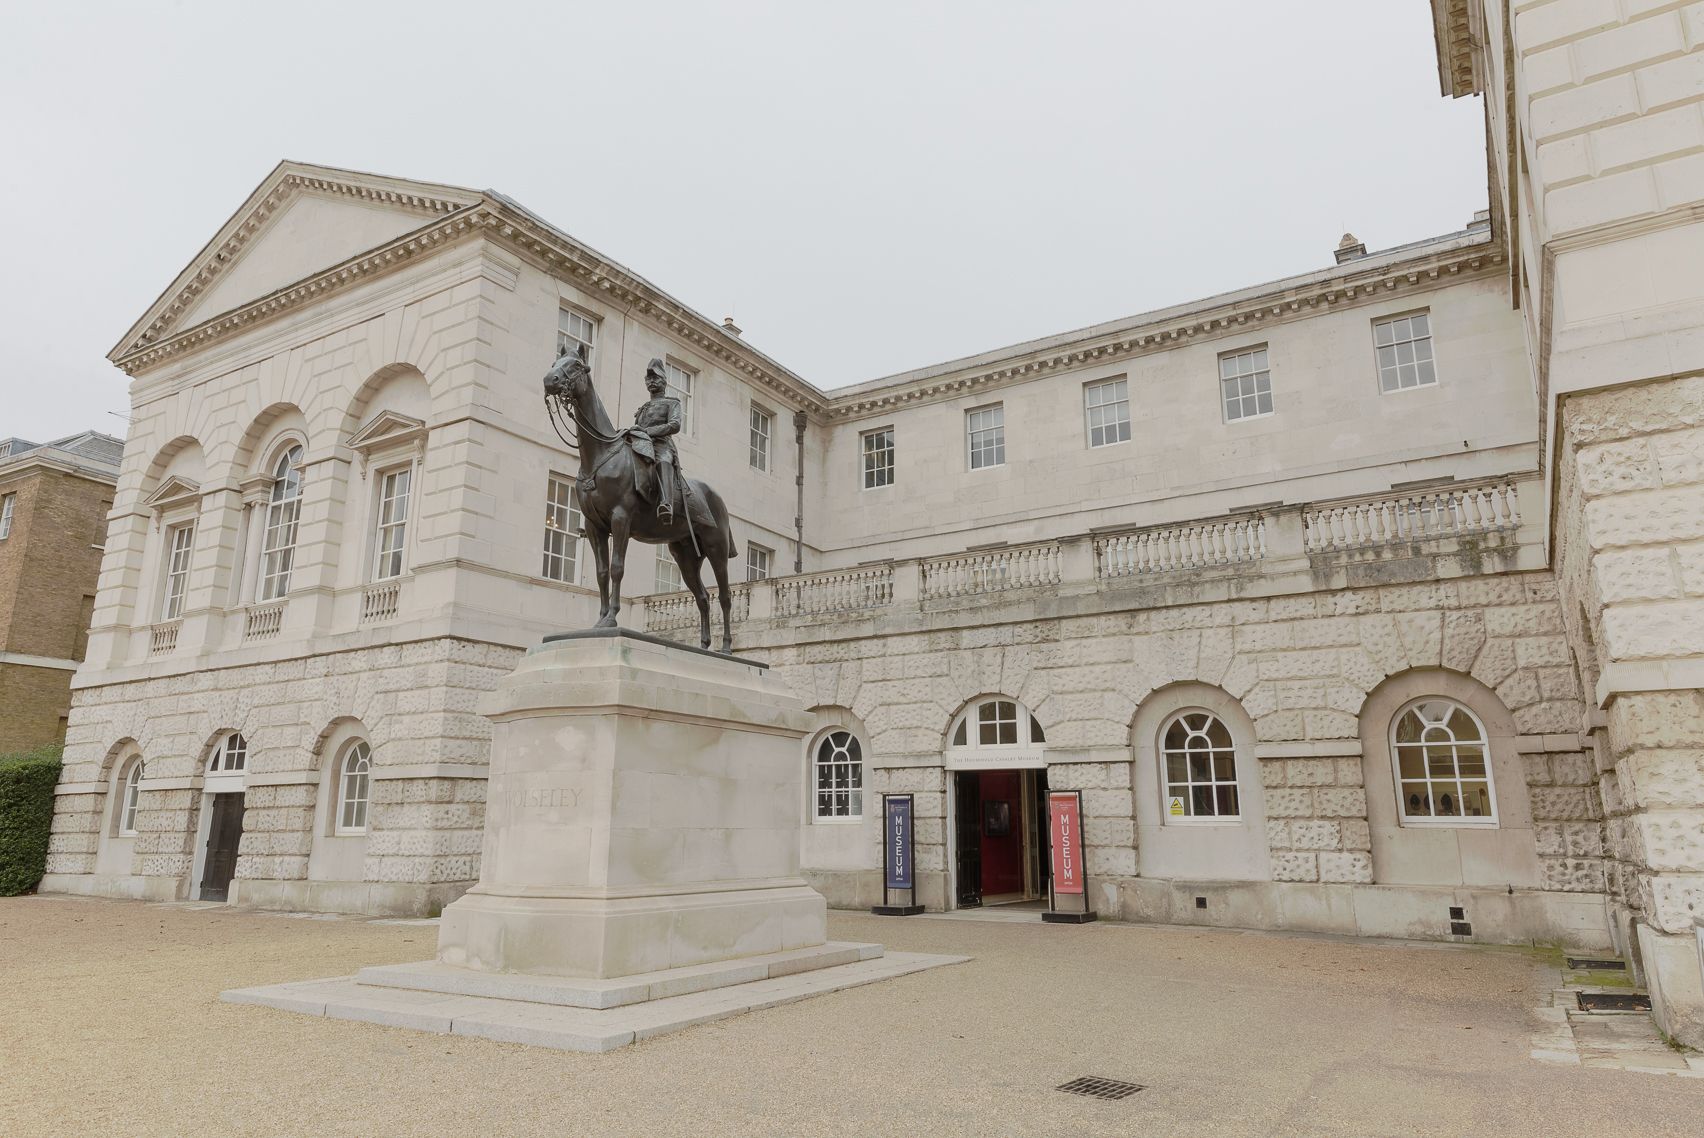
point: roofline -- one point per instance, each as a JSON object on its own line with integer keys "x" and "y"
{"x": 1383, "y": 261}
{"x": 227, "y": 231}
{"x": 51, "y": 458}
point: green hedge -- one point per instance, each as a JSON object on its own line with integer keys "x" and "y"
{"x": 26, "y": 816}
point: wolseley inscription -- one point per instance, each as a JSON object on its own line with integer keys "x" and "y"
{"x": 544, "y": 798}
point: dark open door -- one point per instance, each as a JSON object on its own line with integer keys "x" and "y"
{"x": 224, "y": 834}
{"x": 967, "y": 834}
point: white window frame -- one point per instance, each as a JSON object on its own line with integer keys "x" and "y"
{"x": 837, "y": 750}
{"x": 762, "y": 437}
{"x": 400, "y": 525}
{"x": 1258, "y": 373}
{"x": 574, "y": 326}
{"x": 667, "y": 573}
{"x": 677, "y": 381}
{"x": 8, "y": 505}
{"x": 283, "y": 513}
{"x": 174, "y": 583}
{"x": 562, "y": 523}
{"x": 1479, "y": 821}
{"x": 230, "y": 754}
{"x": 985, "y": 436}
{"x": 1422, "y": 357}
{"x": 129, "y": 799}
{"x": 1169, "y": 786}
{"x": 1115, "y": 412}
{"x": 760, "y": 560}
{"x": 870, "y": 447}
{"x": 354, "y": 794}
{"x": 967, "y": 750}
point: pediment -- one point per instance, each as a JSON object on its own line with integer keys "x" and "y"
{"x": 299, "y": 222}
{"x": 175, "y": 490}
{"x": 387, "y": 428}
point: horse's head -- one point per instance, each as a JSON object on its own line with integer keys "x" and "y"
{"x": 570, "y": 377}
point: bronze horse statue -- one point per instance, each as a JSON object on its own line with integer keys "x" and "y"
{"x": 615, "y": 507}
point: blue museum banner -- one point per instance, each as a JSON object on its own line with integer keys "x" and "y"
{"x": 896, "y": 840}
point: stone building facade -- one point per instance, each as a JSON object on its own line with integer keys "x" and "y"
{"x": 1593, "y": 130}
{"x": 1355, "y": 601}
{"x": 54, "y": 500}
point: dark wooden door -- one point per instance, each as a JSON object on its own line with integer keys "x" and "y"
{"x": 967, "y": 834}
{"x": 224, "y": 834}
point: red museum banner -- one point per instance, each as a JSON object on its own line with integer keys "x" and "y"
{"x": 1065, "y": 819}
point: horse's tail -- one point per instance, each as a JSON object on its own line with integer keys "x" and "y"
{"x": 719, "y": 511}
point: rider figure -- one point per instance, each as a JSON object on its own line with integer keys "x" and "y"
{"x": 656, "y": 423}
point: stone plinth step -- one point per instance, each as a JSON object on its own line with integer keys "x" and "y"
{"x": 565, "y": 1027}
{"x": 583, "y": 992}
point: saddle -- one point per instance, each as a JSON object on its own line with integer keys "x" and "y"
{"x": 644, "y": 476}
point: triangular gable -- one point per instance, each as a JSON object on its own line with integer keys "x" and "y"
{"x": 175, "y": 490}
{"x": 387, "y": 428}
{"x": 301, "y": 220}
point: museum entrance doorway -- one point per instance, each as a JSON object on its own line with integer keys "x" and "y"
{"x": 999, "y": 837}
{"x": 219, "y": 855}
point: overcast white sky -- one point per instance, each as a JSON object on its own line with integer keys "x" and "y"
{"x": 866, "y": 186}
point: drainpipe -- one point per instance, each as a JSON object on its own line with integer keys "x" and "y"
{"x": 799, "y": 518}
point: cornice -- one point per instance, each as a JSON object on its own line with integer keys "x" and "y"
{"x": 1243, "y": 315}
{"x": 550, "y": 251}
{"x": 359, "y": 269}
{"x": 1452, "y": 29}
{"x": 567, "y": 259}
{"x": 217, "y": 257}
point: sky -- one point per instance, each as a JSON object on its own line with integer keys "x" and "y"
{"x": 865, "y": 187}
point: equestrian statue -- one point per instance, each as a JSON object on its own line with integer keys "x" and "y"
{"x": 630, "y": 488}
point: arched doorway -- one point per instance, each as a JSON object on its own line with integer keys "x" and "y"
{"x": 220, "y": 831}
{"x": 997, "y": 776}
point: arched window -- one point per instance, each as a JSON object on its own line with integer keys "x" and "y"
{"x": 1199, "y": 762}
{"x": 1443, "y": 771}
{"x": 839, "y": 776}
{"x": 352, "y": 784}
{"x": 996, "y": 722}
{"x": 129, "y": 795}
{"x": 229, "y": 754}
{"x": 278, "y": 547}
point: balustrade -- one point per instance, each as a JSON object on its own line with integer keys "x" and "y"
{"x": 163, "y": 638}
{"x": 262, "y": 622}
{"x": 379, "y": 602}
{"x": 1444, "y": 511}
{"x": 991, "y": 571}
{"x": 845, "y": 590}
{"x": 1165, "y": 549}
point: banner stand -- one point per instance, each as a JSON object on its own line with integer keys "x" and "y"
{"x": 898, "y": 867}
{"x": 1065, "y": 853}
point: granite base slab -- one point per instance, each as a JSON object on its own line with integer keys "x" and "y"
{"x": 565, "y": 1027}
{"x": 590, "y": 992}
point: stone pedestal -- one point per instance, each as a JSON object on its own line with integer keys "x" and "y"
{"x": 642, "y": 814}
{"x": 641, "y": 862}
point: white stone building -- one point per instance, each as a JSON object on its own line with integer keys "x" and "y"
{"x": 1368, "y": 600}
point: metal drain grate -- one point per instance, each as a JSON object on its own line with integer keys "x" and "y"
{"x": 1595, "y": 965}
{"x": 1099, "y": 1088}
{"x": 1614, "y": 1002}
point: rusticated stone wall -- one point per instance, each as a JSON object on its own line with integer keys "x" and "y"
{"x": 1301, "y": 667}
{"x": 415, "y": 703}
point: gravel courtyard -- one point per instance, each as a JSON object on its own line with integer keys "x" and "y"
{"x": 110, "y": 1024}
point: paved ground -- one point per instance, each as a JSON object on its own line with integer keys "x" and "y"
{"x": 110, "y": 1024}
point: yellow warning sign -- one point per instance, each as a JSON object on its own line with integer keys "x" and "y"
{"x": 1176, "y": 807}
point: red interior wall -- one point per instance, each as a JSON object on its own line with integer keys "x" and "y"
{"x": 1002, "y": 858}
